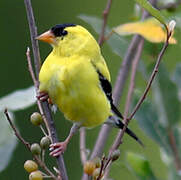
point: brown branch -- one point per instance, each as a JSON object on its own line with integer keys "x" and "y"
{"x": 30, "y": 68}
{"x": 45, "y": 105}
{"x": 33, "y": 34}
{"x": 118, "y": 139}
{"x": 28, "y": 146}
{"x": 174, "y": 149}
{"x": 83, "y": 154}
{"x": 105, "y": 17}
{"x": 155, "y": 70}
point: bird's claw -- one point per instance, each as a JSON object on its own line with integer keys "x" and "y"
{"x": 57, "y": 148}
{"x": 43, "y": 96}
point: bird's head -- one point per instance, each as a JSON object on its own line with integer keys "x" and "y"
{"x": 70, "y": 39}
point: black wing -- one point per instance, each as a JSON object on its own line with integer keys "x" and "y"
{"x": 107, "y": 88}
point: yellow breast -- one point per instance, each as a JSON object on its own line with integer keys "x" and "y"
{"x": 74, "y": 86}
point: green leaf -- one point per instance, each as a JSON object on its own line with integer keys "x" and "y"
{"x": 118, "y": 44}
{"x": 148, "y": 120}
{"x": 8, "y": 141}
{"x": 140, "y": 165}
{"x": 176, "y": 75}
{"x": 154, "y": 12}
{"x": 166, "y": 98}
{"x": 19, "y": 99}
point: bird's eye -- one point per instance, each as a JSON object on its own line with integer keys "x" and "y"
{"x": 64, "y": 32}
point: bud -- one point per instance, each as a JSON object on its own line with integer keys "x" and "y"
{"x": 96, "y": 173}
{"x": 89, "y": 167}
{"x": 36, "y": 175}
{"x": 30, "y": 166}
{"x": 36, "y": 119}
{"x": 97, "y": 162}
{"x": 171, "y": 25}
{"x": 35, "y": 149}
{"x": 115, "y": 155}
{"x": 45, "y": 142}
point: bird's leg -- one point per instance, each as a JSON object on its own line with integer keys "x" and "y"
{"x": 60, "y": 147}
{"x": 43, "y": 96}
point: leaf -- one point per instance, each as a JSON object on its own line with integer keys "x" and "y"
{"x": 166, "y": 98}
{"x": 8, "y": 141}
{"x": 150, "y": 29}
{"x": 154, "y": 12}
{"x": 148, "y": 120}
{"x": 176, "y": 78}
{"x": 17, "y": 100}
{"x": 140, "y": 165}
{"x": 118, "y": 44}
{"x": 176, "y": 75}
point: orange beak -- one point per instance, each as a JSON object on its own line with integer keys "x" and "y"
{"x": 47, "y": 36}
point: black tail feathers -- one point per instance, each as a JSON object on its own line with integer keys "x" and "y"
{"x": 129, "y": 132}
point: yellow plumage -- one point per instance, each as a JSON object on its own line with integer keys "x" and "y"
{"x": 70, "y": 78}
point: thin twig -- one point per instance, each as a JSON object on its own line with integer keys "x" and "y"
{"x": 33, "y": 34}
{"x": 30, "y": 68}
{"x": 27, "y": 144}
{"x": 118, "y": 139}
{"x": 155, "y": 70}
{"x": 83, "y": 153}
{"x": 45, "y": 105}
{"x": 105, "y": 17}
{"x": 101, "y": 168}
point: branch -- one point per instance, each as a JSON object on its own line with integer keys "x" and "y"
{"x": 33, "y": 34}
{"x": 118, "y": 140}
{"x": 28, "y": 146}
{"x": 155, "y": 70}
{"x": 105, "y": 17}
{"x": 83, "y": 153}
{"x": 45, "y": 105}
{"x": 36, "y": 84}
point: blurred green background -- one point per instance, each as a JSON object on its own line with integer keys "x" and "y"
{"x": 14, "y": 75}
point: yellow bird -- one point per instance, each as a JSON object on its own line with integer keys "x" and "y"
{"x": 76, "y": 78}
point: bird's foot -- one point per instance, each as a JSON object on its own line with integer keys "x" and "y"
{"x": 58, "y": 148}
{"x": 43, "y": 96}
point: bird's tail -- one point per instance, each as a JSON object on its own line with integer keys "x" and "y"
{"x": 120, "y": 125}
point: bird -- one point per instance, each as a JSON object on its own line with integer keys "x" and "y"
{"x": 75, "y": 77}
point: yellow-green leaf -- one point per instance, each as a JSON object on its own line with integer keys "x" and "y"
{"x": 150, "y": 29}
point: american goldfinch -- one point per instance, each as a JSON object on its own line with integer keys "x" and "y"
{"x": 76, "y": 78}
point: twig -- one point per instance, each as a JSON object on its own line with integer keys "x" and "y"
{"x": 101, "y": 168}
{"x": 30, "y": 68}
{"x": 33, "y": 34}
{"x": 27, "y": 144}
{"x": 105, "y": 16}
{"x": 83, "y": 153}
{"x": 118, "y": 139}
{"x": 45, "y": 105}
{"x": 155, "y": 70}
{"x": 174, "y": 149}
